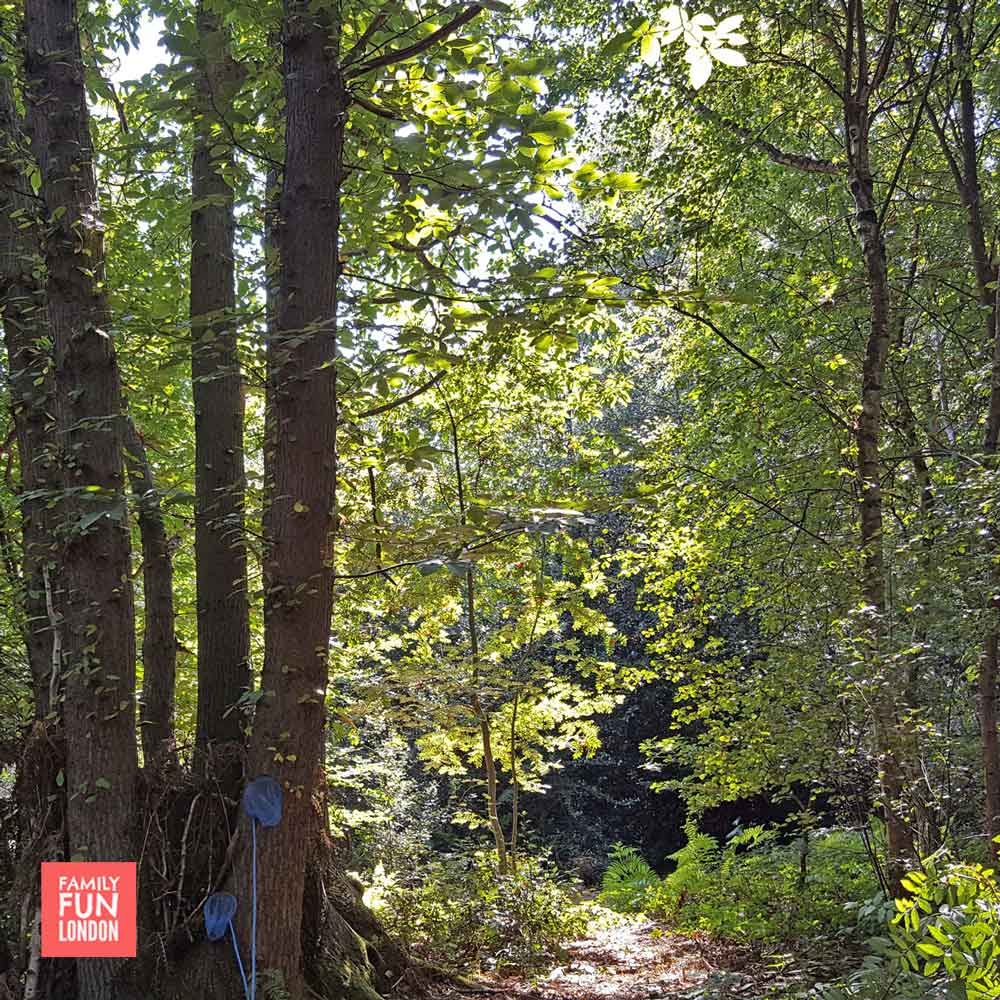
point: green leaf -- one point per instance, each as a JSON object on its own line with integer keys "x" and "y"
{"x": 649, "y": 49}
{"x": 623, "y": 40}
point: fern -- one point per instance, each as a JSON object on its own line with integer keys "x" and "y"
{"x": 751, "y": 837}
{"x": 698, "y": 868}
{"x": 626, "y": 880}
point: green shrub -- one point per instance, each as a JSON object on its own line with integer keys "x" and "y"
{"x": 880, "y": 977}
{"x": 464, "y": 914}
{"x": 949, "y": 925}
{"x": 753, "y": 889}
{"x": 627, "y": 880}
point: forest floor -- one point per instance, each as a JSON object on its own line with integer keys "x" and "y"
{"x": 633, "y": 959}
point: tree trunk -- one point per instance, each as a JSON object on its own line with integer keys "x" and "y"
{"x": 964, "y": 168}
{"x": 300, "y": 475}
{"x": 159, "y": 644}
{"x": 479, "y": 712}
{"x": 29, "y": 386}
{"x": 220, "y": 544}
{"x": 989, "y": 676}
{"x": 41, "y": 803}
{"x": 347, "y": 954}
{"x": 95, "y": 558}
{"x": 860, "y": 80}
{"x": 989, "y": 296}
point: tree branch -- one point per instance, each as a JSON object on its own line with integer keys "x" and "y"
{"x": 757, "y": 363}
{"x": 884, "y": 57}
{"x": 810, "y": 164}
{"x": 409, "y": 51}
{"x": 401, "y": 400}
{"x": 361, "y": 44}
{"x": 376, "y": 109}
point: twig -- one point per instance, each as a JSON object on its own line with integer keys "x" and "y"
{"x": 184, "y": 850}
{"x": 31, "y": 979}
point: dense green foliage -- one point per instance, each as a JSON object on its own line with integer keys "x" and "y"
{"x": 661, "y": 422}
{"x": 460, "y": 913}
{"x": 752, "y": 889}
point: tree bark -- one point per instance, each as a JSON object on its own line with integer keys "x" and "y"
{"x": 95, "y": 559}
{"x": 29, "y": 385}
{"x": 860, "y": 81}
{"x": 159, "y": 643}
{"x": 41, "y": 803}
{"x": 300, "y": 476}
{"x": 220, "y": 544}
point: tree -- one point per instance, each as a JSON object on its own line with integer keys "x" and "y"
{"x": 159, "y": 643}
{"x": 30, "y": 387}
{"x": 216, "y": 379}
{"x": 781, "y": 427}
{"x": 960, "y": 147}
{"x": 95, "y": 600}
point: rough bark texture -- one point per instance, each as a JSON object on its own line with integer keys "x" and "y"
{"x": 159, "y": 643}
{"x": 40, "y": 803}
{"x": 29, "y": 385}
{"x": 94, "y": 559}
{"x": 300, "y": 470}
{"x": 220, "y": 545}
{"x": 41, "y": 814}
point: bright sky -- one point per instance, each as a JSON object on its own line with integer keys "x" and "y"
{"x": 136, "y": 62}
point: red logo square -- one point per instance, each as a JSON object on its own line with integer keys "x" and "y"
{"x": 88, "y": 909}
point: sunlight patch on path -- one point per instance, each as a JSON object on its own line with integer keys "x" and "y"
{"x": 620, "y": 958}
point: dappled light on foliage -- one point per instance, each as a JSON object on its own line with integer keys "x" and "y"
{"x": 502, "y": 497}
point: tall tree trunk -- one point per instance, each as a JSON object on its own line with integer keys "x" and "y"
{"x": 987, "y": 274}
{"x": 220, "y": 544}
{"x": 30, "y": 386}
{"x": 964, "y": 166}
{"x": 41, "y": 803}
{"x": 860, "y": 81}
{"x": 300, "y": 472}
{"x": 95, "y": 557}
{"x": 159, "y": 643}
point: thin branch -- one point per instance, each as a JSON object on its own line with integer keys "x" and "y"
{"x": 376, "y": 109}
{"x": 401, "y": 400}
{"x": 757, "y": 363}
{"x": 911, "y": 138}
{"x": 882, "y": 60}
{"x": 409, "y": 51}
{"x": 810, "y": 164}
{"x": 376, "y": 23}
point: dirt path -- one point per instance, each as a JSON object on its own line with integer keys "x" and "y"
{"x": 632, "y": 961}
{"x": 620, "y": 960}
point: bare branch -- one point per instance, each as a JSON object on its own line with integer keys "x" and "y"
{"x": 884, "y": 57}
{"x": 800, "y": 390}
{"x": 374, "y": 25}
